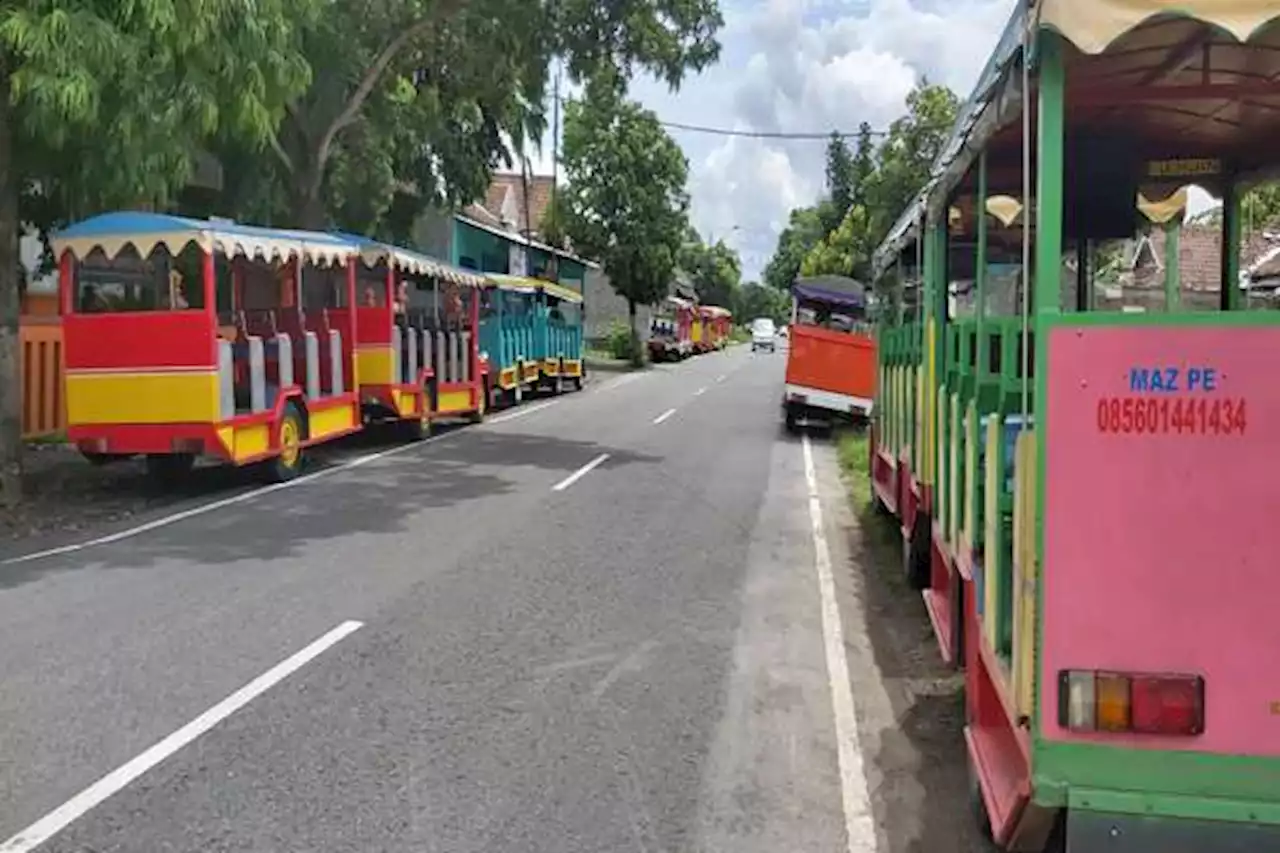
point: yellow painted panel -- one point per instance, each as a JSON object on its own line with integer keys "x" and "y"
{"x": 251, "y": 441}
{"x": 572, "y": 367}
{"x": 1026, "y": 574}
{"x": 970, "y": 523}
{"x": 954, "y": 505}
{"x": 551, "y": 366}
{"x": 507, "y": 378}
{"x": 376, "y": 365}
{"x": 531, "y": 370}
{"x": 455, "y": 401}
{"x": 406, "y": 403}
{"x": 227, "y": 435}
{"x": 142, "y": 398}
{"x": 938, "y": 454}
{"x": 930, "y": 413}
{"x": 991, "y": 558}
{"x": 332, "y": 420}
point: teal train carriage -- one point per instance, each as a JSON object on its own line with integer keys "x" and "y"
{"x": 1080, "y": 463}
{"x": 531, "y": 332}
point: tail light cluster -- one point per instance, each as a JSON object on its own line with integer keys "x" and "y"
{"x": 1136, "y": 703}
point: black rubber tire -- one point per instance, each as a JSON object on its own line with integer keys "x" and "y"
{"x": 791, "y": 421}
{"x": 167, "y": 470}
{"x": 278, "y": 469}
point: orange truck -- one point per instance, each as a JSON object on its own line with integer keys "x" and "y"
{"x": 831, "y": 356}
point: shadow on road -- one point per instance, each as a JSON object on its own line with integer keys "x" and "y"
{"x": 381, "y": 496}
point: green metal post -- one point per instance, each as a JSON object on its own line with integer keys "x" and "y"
{"x": 1230, "y": 295}
{"x": 1172, "y": 273}
{"x": 1049, "y": 177}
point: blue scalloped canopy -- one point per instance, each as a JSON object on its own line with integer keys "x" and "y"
{"x": 120, "y": 223}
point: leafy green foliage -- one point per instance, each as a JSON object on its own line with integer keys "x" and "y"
{"x": 420, "y": 99}
{"x": 845, "y": 251}
{"x": 804, "y": 230}
{"x": 840, "y": 181}
{"x": 759, "y": 300}
{"x": 625, "y": 203}
{"x": 715, "y": 271}
{"x": 880, "y": 183}
{"x": 617, "y": 341}
{"x": 106, "y": 104}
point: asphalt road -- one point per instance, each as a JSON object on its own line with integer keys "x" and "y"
{"x": 547, "y": 655}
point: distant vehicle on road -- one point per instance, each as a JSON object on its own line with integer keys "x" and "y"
{"x": 831, "y": 357}
{"x": 670, "y": 334}
{"x": 764, "y": 335}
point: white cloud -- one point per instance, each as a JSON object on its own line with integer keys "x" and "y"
{"x": 806, "y": 66}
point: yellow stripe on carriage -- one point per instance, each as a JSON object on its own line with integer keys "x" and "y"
{"x": 168, "y": 397}
{"x": 455, "y": 401}
{"x": 246, "y": 442}
{"x": 375, "y": 364}
{"x": 331, "y": 420}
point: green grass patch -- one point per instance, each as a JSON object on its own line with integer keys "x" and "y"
{"x": 851, "y": 451}
{"x": 883, "y": 538}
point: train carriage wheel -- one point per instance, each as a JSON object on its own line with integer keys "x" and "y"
{"x": 290, "y": 434}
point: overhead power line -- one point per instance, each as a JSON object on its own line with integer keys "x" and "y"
{"x": 762, "y": 134}
{"x": 747, "y": 134}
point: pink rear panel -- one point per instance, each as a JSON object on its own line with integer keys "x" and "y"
{"x": 1158, "y": 554}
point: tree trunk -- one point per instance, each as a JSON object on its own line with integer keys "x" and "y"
{"x": 10, "y": 306}
{"x": 309, "y": 211}
{"x": 637, "y": 352}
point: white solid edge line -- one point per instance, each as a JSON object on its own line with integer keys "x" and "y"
{"x": 859, "y": 825}
{"x": 64, "y": 815}
{"x": 662, "y": 417}
{"x": 573, "y": 478}
{"x": 521, "y": 412}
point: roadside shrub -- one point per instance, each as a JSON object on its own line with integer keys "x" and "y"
{"x": 618, "y": 340}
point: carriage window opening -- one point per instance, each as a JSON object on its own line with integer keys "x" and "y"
{"x": 324, "y": 287}
{"x": 371, "y": 287}
{"x": 129, "y": 282}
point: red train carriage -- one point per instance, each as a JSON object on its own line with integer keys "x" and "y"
{"x": 188, "y": 338}
{"x": 417, "y": 349}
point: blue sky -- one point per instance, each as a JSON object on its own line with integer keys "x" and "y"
{"x": 808, "y": 66}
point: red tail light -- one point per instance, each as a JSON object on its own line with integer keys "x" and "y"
{"x": 1167, "y": 705}
{"x": 1138, "y": 703}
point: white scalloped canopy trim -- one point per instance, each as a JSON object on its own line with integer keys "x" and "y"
{"x": 1091, "y": 25}
{"x": 421, "y": 265}
{"x": 258, "y": 248}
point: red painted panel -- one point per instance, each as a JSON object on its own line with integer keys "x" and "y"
{"x": 374, "y": 324}
{"x": 140, "y": 340}
{"x": 839, "y": 362}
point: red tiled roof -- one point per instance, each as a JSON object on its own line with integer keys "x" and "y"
{"x": 539, "y": 199}
{"x": 1199, "y": 250}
